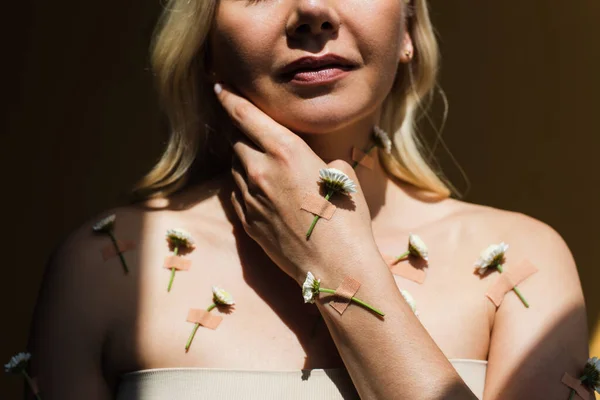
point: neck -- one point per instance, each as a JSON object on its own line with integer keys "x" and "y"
{"x": 392, "y": 203}
{"x": 339, "y": 145}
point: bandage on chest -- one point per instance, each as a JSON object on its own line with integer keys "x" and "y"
{"x": 366, "y": 160}
{"x": 177, "y": 262}
{"x": 508, "y": 279}
{"x": 204, "y": 318}
{"x": 109, "y": 251}
{"x": 405, "y": 270}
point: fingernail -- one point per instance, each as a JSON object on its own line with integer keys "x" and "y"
{"x": 218, "y": 88}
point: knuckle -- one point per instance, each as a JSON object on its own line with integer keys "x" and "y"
{"x": 342, "y": 166}
{"x": 256, "y": 175}
{"x": 286, "y": 147}
{"x": 240, "y": 111}
{"x": 247, "y": 227}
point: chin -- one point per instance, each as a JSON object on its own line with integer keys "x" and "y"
{"x": 320, "y": 115}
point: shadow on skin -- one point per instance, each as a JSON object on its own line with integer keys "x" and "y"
{"x": 552, "y": 349}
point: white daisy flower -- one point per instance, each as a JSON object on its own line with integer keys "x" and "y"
{"x": 180, "y": 238}
{"x": 410, "y": 300}
{"x": 310, "y": 288}
{"x": 336, "y": 180}
{"x": 105, "y": 224}
{"x": 221, "y": 296}
{"x": 382, "y": 139}
{"x": 17, "y": 363}
{"x": 492, "y": 256}
{"x": 591, "y": 374}
{"x": 417, "y": 247}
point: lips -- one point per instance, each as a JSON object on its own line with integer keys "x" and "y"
{"x": 316, "y": 64}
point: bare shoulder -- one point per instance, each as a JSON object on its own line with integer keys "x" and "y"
{"x": 527, "y": 237}
{"x": 530, "y": 347}
{"x": 88, "y": 289}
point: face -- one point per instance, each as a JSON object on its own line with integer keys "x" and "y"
{"x": 315, "y": 66}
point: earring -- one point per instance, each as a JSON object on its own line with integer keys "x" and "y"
{"x": 408, "y": 54}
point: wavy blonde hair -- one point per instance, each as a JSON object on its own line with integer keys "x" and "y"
{"x": 178, "y": 58}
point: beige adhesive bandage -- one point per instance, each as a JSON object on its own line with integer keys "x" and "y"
{"x": 179, "y": 263}
{"x": 508, "y": 280}
{"x": 109, "y": 251}
{"x": 315, "y": 204}
{"x": 345, "y": 292}
{"x": 366, "y": 160}
{"x": 204, "y": 318}
{"x": 576, "y": 385}
{"x": 405, "y": 270}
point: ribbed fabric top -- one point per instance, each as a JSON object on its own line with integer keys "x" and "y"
{"x": 225, "y": 384}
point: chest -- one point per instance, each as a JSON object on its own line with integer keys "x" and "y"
{"x": 270, "y": 327}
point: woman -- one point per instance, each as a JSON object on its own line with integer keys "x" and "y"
{"x": 305, "y": 83}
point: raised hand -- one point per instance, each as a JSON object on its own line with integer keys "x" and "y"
{"x": 274, "y": 170}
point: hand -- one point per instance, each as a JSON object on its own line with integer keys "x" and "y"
{"x": 274, "y": 169}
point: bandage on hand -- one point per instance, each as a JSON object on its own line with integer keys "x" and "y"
{"x": 317, "y": 205}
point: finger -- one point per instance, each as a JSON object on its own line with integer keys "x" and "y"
{"x": 238, "y": 208}
{"x": 247, "y": 153}
{"x": 258, "y": 126}
{"x": 239, "y": 175}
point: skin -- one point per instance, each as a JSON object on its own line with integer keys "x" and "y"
{"x": 97, "y": 324}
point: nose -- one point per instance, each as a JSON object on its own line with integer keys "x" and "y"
{"x": 312, "y": 18}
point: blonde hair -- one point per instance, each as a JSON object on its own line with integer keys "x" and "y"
{"x": 178, "y": 58}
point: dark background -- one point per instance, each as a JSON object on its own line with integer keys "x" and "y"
{"x": 81, "y": 125}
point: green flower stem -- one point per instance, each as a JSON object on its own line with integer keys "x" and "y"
{"x": 175, "y": 252}
{"x": 515, "y": 289}
{"x": 312, "y": 226}
{"x": 114, "y": 240}
{"x": 572, "y": 394}
{"x": 355, "y": 163}
{"x": 31, "y": 385}
{"x": 354, "y": 299}
{"x": 403, "y": 255}
{"x": 196, "y": 326}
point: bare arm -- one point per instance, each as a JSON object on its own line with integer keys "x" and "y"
{"x": 393, "y": 357}
{"x": 532, "y": 348}
{"x": 69, "y": 325}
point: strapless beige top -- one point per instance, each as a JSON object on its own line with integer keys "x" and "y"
{"x": 225, "y": 384}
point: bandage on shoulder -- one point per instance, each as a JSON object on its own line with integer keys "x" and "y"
{"x": 405, "y": 270}
{"x": 366, "y": 160}
{"x": 578, "y": 387}
{"x": 508, "y": 280}
{"x": 109, "y": 251}
{"x": 177, "y": 262}
{"x": 315, "y": 204}
{"x": 344, "y": 294}
{"x": 204, "y": 318}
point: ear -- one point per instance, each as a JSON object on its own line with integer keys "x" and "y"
{"x": 407, "y": 50}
